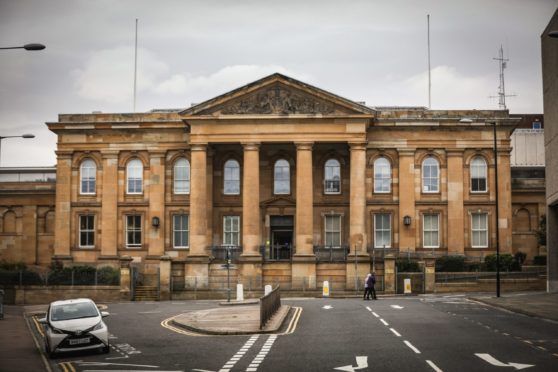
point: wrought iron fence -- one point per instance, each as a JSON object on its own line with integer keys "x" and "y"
{"x": 223, "y": 252}
{"x": 331, "y": 254}
{"x": 78, "y": 275}
{"x": 273, "y": 253}
{"x": 466, "y": 277}
{"x": 269, "y": 304}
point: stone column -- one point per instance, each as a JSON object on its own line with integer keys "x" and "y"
{"x": 407, "y": 198}
{"x": 456, "y": 232}
{"x": 504, "y": 200}
{"x": 196, "y": 268}
{"x": 251, "y": 259}
{"x": 156, "y": 192}
{"x": 109, "y": 206}
{"x": 429, "y": 274}
{"x": 63, "y": 206}
{"x": 125, "y": 278}
{"x": 304, "y": 260}
{"x": 357, "y": 227}
{"x": 389, "y": 274}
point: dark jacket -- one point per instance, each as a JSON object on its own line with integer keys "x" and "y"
{"x": 370, "y": 281}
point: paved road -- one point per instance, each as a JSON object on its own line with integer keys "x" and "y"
{"x": 430, "y": 333}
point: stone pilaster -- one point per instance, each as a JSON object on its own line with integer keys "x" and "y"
{"x": 109, "y": 205}
{"x": 165, "y": 264}
{"x": 389, "y": 274}
{"x": 251, "y": 238}
{"x": 63, "y": 204}
{"x": 504, "y": 200}
{"x": 430, "y": 274}
{"x": 456, "y": 242}
{"x": 407, "y": 198}
{"x": 29, "y": 241}
{"x": 156, "y": 192}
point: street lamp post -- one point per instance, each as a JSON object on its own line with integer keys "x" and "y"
{"x": 28, "y": 135}
{"x": 32, "y": 46}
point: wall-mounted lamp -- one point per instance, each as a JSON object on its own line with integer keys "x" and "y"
{"x": 407, "y": 220}
{"x": 155, "y": 222}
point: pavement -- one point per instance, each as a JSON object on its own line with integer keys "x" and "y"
{"x": 18, "y": 351}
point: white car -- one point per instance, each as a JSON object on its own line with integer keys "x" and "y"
{"x": 75, "y": 325}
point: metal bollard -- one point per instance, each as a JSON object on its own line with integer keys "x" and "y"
{"x": 1, "y": 304}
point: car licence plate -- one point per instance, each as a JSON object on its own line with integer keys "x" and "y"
{"x": 79, "y": 341}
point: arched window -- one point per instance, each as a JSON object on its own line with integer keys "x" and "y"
{"x": 332, "y": 177}
{"x": 88, "y": 176}
{"x": 9, "y": 222}
{"x": 281, "y": 177}
{"x": 430, "y": 175}
{"x": 478, "y": 174}
{"x": 134, "y": 177}
{"x": 232, "y": 178}
{"x": 182, "y": 176}
{"x": 382, "y": 175}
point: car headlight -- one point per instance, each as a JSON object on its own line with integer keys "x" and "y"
{"x": 98, "y": 326}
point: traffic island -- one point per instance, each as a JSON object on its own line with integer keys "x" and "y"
{"x": 236, "y": 320}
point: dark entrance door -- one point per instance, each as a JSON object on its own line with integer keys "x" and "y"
{"x": 281, "y": 237}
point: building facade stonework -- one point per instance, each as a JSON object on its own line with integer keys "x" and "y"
{"x": 296, "y": 183}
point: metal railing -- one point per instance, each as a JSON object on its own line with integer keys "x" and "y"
{"x": 220, "y": 252}
{"x": 465, "y": 277}
{"x": 331, "y": 254}
{"x": 273, "y": 253}
{"x": 68, "y": 276}
{"x": 269, "y": 304}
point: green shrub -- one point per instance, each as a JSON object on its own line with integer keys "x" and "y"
{"x": 507, "y": 263}
{"x": 539, "y": 260}
{"x": 108, "y": 276}
{"x": 19, "y": 277}
{"x": 450, "y": 264}
{"x": 11, "y": 266}
{"x": 406, "y": 266}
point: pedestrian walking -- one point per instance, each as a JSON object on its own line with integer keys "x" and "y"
{"x": 366, "y": 289}
{"x": 371, "y": 282}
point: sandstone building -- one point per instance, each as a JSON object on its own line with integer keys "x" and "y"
{"x": 295, "y": 182}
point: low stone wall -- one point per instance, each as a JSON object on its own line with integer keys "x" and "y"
{"x": 36, "y": 295}
{"x": 488, "y": 285}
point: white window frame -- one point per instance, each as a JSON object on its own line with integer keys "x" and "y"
{"x": 180, "y": 164}
{"x": 229, "y": 234}
{"x": 430, "y": 177}
{"x": 332, "y": 164}
{"x": 382, "y": 229}
{"x": 424, "y": 230}
{"x": 383, "y": 176}
{"x": 134, "y": 229}
{"x": 88, "y": 175}
{"x": 180, "y": 230}
{"x": 333, "y": 231}
{"x": 480, "y": 230}
{"x": 134, "y": 166}
{"x": 475, "y": 168}
{"x": 236, "y": 181}
{"x": 88, "y": 230}
{"x": 287, "y": 179}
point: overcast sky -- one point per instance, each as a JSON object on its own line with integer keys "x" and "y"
{"x": 190, "y": 51}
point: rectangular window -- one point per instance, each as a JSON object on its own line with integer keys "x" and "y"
{"x": 382, "y": 230}
{"x": 431, "y": 230}
{"x": 133, "y": 231}
{"x": 231, "y": 230}
{"x": 87, "y": 231}
{"x": 333, "y": 231}
{"x": 181, "y": 230}
{"x": 479, "y": 230}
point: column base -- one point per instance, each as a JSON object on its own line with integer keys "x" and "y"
{"x": 196, "y": 272}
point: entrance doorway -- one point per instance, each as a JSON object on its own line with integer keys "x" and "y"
{"x": 281, "y": 231}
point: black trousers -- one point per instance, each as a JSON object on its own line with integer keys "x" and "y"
{"x": 372, "y": 291}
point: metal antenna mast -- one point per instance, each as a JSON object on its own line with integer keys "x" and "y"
{"x": 502, "y": 88}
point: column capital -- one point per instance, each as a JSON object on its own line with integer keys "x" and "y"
{"x": 304, "y": 146}
{"x": 198, "y": 147}
{"x": 358, "y": 146}
{"x": 251, "y": 146}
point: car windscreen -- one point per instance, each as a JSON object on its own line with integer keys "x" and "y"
{"x": 73, "y": 311}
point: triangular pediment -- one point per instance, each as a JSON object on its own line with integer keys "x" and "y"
{"x": 278, "y": 95}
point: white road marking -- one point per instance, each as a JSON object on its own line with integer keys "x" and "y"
{"x": 236, "y": 357}
{"x": 495, "y": 362}
{"x": 434, "y": 366}
{"x": 383, "y": 321}
{"x": 412, "y": 347}
{"x": 376, "y": 315}
{"x": 255, "y": 363}
{"x": 115, "y": 364}
{"x": 368, "y": 308}
{"x": 327, "y": 307}
{"x": 362, "y": 362}
{"x": 397, "y": 307}
{"x": 395, "y": 332}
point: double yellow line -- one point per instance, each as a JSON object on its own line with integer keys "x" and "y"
{"x": 294, "y": 321}
{"x": 67, "y": 367}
